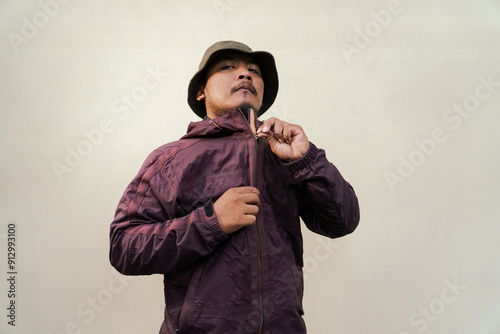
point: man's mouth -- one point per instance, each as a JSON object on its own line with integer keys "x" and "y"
{"x": 247, "y": 87}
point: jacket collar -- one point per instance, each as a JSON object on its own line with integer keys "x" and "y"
{"x": 233, "y": 121}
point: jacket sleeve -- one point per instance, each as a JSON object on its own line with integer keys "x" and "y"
{"x": 328, "y": 204}
{"x": 145, "y": 240}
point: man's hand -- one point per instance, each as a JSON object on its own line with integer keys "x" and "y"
{"x": 287, "y": 141}
{"x": 237, "y": 208}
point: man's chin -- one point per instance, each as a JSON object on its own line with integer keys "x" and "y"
{"x": 246, "y": 105}
{"x": 247, "y": 101}
{"x": 242, "y": 106}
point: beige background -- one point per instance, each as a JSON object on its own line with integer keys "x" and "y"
{"x": 378, "y": 84}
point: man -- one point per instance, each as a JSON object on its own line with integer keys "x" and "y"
{"x": 217, "y": 212}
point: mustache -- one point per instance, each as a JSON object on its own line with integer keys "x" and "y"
{"x": 245, "y": 85}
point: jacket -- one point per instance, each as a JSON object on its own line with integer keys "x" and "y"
{"x": 250, "y": 281}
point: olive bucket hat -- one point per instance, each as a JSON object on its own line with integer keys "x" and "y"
{"x": 264, "y": 59}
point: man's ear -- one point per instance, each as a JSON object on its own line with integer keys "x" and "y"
{"x": 200, "y": 93}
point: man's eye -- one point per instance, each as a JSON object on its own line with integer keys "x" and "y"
{"x": 254, "y": 70}
{"x": 227, "y": 67}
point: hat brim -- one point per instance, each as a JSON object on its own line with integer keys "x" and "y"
{"x": 267, "y": 65}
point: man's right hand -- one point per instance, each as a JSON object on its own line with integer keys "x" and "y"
{"x": 237, "y": 208}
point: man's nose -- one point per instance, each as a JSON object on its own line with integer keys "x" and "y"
{"x": 244, "y": 73}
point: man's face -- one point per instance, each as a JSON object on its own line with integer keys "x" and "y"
{"x": 234, "y": 80}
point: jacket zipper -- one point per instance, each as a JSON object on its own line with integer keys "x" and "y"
{"x": 258, "y": 240}
{"x": 252, "y": 121}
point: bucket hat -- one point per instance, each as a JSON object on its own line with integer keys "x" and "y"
{"x": 264, "y": 59}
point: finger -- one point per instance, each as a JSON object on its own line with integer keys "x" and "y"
{"x": 272, "y": 129}
{"x": 288, "y": 133}
{"x": 270, "y": 133}
{"x": 270, "y": 136}
{"x": 251, "y": 199}
{"x": 247, "y": 190}
{"x": 248, "y": 220}
{"x": 278, "y": 129}
{"x": 267, "y": 125}
{"x": 251, "y": 210}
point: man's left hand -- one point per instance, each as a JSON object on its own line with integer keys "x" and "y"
{"x": 287, "y": 141}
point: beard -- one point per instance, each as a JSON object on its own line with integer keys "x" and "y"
{"x": 244, "y": 106}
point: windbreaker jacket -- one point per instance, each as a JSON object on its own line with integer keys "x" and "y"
{"x": 250, "y": 281}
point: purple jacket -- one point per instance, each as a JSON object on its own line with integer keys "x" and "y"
{"x": 247, "y": 282}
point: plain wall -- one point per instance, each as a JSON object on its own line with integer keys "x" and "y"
{"x": 404, "y": 97}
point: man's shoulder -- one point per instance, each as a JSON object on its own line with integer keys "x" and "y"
{"x": 157, "y": 159}
{"x": 169, "y": 151}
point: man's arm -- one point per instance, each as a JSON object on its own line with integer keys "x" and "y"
{"x": 328, "y": 204}
{"x": 145, "y": 240}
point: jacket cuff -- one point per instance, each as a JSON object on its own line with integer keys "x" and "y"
{"x": 213, "y": 223}
{"x": 305, "y": 161}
